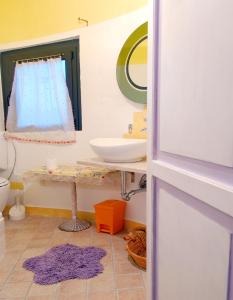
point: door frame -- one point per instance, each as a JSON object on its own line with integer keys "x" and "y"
{"x": 152, "y": 90}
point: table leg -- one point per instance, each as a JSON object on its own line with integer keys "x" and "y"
{"x": 74, "y": 201}
{"x": 74, "y": 224}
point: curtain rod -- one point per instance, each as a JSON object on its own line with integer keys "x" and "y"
{"x": 38, "y": 58}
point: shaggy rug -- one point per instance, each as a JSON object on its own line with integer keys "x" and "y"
{"x": 65, "y": 262}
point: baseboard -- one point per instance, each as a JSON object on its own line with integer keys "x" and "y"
{"x": 66, "y": 213}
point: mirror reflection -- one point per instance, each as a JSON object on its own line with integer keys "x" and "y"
{"x": 137, "y": 65}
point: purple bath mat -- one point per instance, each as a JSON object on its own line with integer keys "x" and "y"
{"x": 65, "y": 262}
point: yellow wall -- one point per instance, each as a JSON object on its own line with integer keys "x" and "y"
{"x": 27, "y": 19}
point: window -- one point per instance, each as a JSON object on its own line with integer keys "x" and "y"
{"x": 69, "y": 51}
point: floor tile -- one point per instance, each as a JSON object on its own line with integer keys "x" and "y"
{"x": 72, "y": 287}
{"x": 123, "y": 266}
{"x": 38, "y": 243}
{"x": 80, "y": 239}
{"x": 54, "y": 243}
{"x": 43, "y": 290}
{"x": 107, "y": 264}
{"x": 126, "y": 281}
{"x": 119, "y": 249}
{"x": 12, "y": 298}
{"x": 144, "y": 277}
{"x": 6, "y": 265}
{"x": 30, "y": 252}
{"x": 80, "y": 243}
{"x": 41, "y": 297}
{"x": 133, "y": 294}
{"x": 3, "y": 276}
{"x": 17, "y": 245}
{"x": 25, "y": 234}
{"x": 19, "y": 265}
{"x": 44, "y": 234}
{"x": 79, "y": 296}
{"x": 101, "y": 240}
{"x": 120, "y": 254}
{"x": 62, "y": 235}
{"x": 17, "y": 289}
{"x": 102, "y": 295}
{"x": 12, "y": 256}
{"x": 119, "y": 244}
{"x": 103, "y": 281}
{"x": 20, "y": 276}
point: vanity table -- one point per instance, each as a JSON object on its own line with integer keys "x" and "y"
{"x": 87, "y": 171}
{"x": 136, "y": 167}
{"x": 73, "y": 175}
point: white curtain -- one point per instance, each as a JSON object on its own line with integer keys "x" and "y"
{"x": 40, "y": 107}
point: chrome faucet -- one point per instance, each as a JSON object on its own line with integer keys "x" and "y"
{"x": 130, "y": 128}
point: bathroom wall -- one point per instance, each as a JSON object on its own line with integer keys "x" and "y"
{"x": 105, "y": 113}
{"x": 26, "y": 19}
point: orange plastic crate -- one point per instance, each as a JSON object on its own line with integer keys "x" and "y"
{"x": 110, "y": 216}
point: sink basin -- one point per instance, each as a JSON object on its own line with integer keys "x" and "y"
{"x": 119, "y": 149}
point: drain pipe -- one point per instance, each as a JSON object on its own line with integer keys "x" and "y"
{"x": 123, "y": 185}
{"x": 128, "y": 195}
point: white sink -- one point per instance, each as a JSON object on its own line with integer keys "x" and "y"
{"x": 119, "y": 149}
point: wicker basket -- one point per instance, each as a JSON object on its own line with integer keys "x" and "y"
{"x": 136, "y": 246}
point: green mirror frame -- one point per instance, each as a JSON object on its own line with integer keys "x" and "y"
{"x": 128, "y": 88}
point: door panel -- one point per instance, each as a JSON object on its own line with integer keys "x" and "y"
{"x": 196, "y": 79}
{"x": 193, "y": 251}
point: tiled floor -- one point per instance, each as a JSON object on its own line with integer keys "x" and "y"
{"x": 34, "y": 235}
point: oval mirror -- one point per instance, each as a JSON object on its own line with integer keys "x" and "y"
{"x": 132, "y": 66}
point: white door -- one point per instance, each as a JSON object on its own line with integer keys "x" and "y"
{"x": 190, "y": 158}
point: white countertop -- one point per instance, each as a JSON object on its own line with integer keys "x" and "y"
{"x": 137, "y": 167}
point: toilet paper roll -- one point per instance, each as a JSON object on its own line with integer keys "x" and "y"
{"x": 51, "y": 164}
